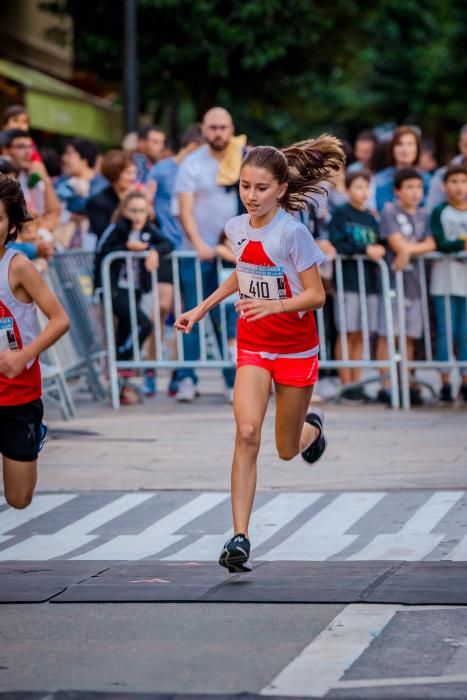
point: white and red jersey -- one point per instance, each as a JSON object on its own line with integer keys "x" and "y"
{"x": 19, "y": 326}
{"x": 269, "y": 260}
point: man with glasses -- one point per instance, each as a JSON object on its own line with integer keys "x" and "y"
{"x": 205, "y": 207}
{"x": 38, "y": 190}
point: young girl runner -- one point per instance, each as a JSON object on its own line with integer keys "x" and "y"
{"x": 22, "y": 290}
{"x": 278, "y": 279}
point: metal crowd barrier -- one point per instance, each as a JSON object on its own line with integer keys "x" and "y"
{"x": 367, "y": 361}
{"x": 428, "y": 324}
{"x": 214, "y": 352}
{"x": 71, "y": 275}
{"x": 214, "y": 349}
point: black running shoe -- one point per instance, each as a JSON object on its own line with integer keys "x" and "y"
{"x": 235, "y": 555}
{"x": 317, "y": 448}
{"x": 445, "y": 395}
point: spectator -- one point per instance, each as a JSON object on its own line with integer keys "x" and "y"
{"x": 133, "y": 231}
{"x": 449, "y": 276}
{"x": 428, "y": 161}
{"x": 405, "y": 153}
{"x": 16, "y": 117}
{"x": 81, "y": 180}
{"x": 8, "y": 168}
{"x": 120, "y": 171}
{"x": 52, "y": 162}
{"x": 35, "y": 182}
{"x": 74, "y": 189}
{"x": 41, "y": 249}
{"x": 164, "y": 174}
{"x": 404, "y": 229}
{"x": 363, "y": 151}
{"x": 436, "y": 194}
{"x": 354, "y": 230}
{"x": 130, "y": 142}
{"x": 151, "y": 143}
{"x": 205, "y": 207}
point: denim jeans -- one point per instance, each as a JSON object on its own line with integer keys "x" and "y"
{"x": 191, "y": 344}
{"x": 459, "y": 328}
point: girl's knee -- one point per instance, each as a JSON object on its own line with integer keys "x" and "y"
{"x": 248, "y": 435}
{"x": 19, "y": 500}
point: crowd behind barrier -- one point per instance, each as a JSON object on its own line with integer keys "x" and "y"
{"x": 215, "y": 352}
{"x": 77, "y": 197}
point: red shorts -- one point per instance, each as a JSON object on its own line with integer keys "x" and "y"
{"x": 298, "y": 371}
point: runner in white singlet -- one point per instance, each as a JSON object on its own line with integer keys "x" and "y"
{"x": 279, "y": 283}
{"x": 22, "y": 291}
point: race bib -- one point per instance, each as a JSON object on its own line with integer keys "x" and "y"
{"x": 260, "y": 281}
{"x": 7, "y": 334}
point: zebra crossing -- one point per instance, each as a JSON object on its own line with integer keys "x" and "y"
{"x": 192, "y": 526}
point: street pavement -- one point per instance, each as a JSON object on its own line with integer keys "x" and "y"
{"x": 150, "y": 482}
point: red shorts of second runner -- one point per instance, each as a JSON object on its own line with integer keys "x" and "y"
{"x": 290, "y": 371}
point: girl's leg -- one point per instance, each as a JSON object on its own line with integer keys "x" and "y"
{"x": 344, "y": 373}
{"x": 166, "y": 300}
{"x": 251, "y": 395}
{"x": 19, "y": 481}
{"x": 355, "y": 353}
{"x": 293, "y": 435}
{"x": 459, "y": 315}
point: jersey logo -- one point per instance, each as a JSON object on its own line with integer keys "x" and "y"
{"x": 242, "y": 241}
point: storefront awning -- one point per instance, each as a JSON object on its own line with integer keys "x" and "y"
{"x": 63, "y": 109}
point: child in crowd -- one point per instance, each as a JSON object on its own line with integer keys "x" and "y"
{"x": 134, "y": 231}
{"x": 449, "y": 277}
{"x": 353, "y": 231}
{"x": 404, "y": 228}
{"x": 22, "y": 291}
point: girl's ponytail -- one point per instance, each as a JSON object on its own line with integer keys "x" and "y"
{"x": 304, "y": 166}
{"x": 310, "y": 163}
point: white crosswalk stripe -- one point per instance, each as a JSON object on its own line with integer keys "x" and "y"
{"x": 324, "y": 535}
{"x": 11, "y": 518}
{"x": 436, "y": 527}
{"x": 414, "y": 540}
{"x": 158, "y": 536}
{"x": 42, "y": 547}
{"x": 268, "y": 520}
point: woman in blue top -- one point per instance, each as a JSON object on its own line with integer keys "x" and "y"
{"x": 405, "y": 153}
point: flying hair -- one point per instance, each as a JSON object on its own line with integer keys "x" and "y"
{"x": 303, "y": 166}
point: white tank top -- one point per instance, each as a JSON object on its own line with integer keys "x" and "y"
{"x": 19, "y": 326}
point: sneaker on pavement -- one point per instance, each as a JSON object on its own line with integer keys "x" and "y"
{"x": 186, "y": 390}
{"x": 416, "y": 396}
{"x": 384, "y": 396}
{"x": 445, "y": 395}
{"x": 149, "y": 384}
{"x": 236, "y": 554}
{"x": 316, "y": 450}
{"x": 354, "y": 395}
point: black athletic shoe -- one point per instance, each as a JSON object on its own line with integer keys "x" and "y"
{"x": 317, "y": 448}
{"x": 235, "y": 555}
{"x": 445, "y": 395}
{"x": 384, "y": 397}
{"x": 416, "y": 396}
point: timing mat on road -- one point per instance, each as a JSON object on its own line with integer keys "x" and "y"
{"x": 409, "y": 583}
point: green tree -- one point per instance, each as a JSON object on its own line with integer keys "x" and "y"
{"x": 287, "y": 69}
